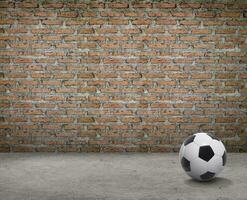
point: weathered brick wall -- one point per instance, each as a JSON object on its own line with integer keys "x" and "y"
{"x": 127, "y": 76}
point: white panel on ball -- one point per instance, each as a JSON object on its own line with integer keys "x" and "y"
{"x": 198, "y": 167}
{"x": 218, "y": 147}
{"x": 215, "y": 164}
{"x": 202, "y": 139}
{"x": 191, "y": 151}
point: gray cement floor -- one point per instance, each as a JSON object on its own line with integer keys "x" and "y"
{"x": 114, "y": 177}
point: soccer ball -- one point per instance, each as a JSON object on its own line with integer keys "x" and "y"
{"x": 202, "y": 156}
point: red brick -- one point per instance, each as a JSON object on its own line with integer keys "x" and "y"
{"x": 213, "y": 5}
{"x": 89, "y": 14}
{"x": 201, "y": 31}
{"x": 7, "y": 21}
{"x": 85, "y": 31}
{"x": 85, "y": 120}
{"x": 112, "y": 149}
{"x": 27, "y": 5}
{"x": 142, "y": 5}
{"x": 52, "y": 38}
{"x": 205, "y": 14}
{"x": 28, "y": 21}
{"x": 225, "y": 31}
{"x": 154, "y": 119}
{"x": 225, "y": 120}
{"x": 230, "y": 14}
{"x": 21, "y": 14}
{"x": 118, "y": 5}
{"x": 225, "y": 76}
{"x": 141, "y": 22}
{"x": 67, "y": 14}
{"x": 236, "y": 23}
{"x": 96, "y": 5}
{"x": 181, "y": 14}
{"x": 52, "y": 5}
{"x": 106, "y": 119}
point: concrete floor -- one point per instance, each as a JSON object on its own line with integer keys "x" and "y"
{"x": 114, "y": 177}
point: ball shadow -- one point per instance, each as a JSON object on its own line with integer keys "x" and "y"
{"x": 216, "y": 182}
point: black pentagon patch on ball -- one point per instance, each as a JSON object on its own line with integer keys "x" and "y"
{"x": 207, "y": 175}
{"x": 224, "y": 158}
{"x": 185, "y": 164}
{"x": 189, "y": 140}
{"x": 213, "y": 136}
{"x": 206, "y": 153}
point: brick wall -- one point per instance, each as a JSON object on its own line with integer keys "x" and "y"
{"x": 121, "y": 76}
